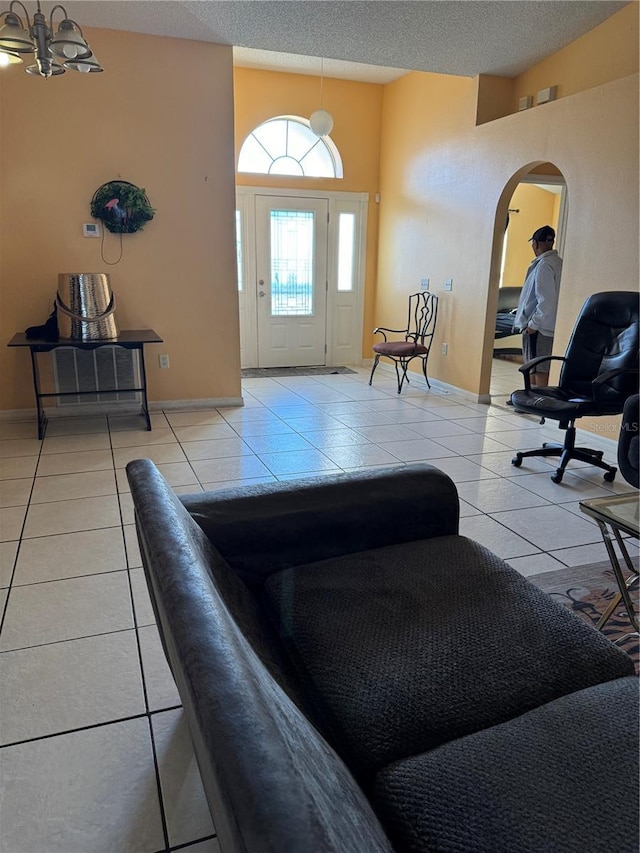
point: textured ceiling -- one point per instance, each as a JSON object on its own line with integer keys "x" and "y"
{"x": 464, "y": 37}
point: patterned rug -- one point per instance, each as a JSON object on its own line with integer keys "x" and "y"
{"x": 587, "y": 590}
{"x": 261, "y": 372}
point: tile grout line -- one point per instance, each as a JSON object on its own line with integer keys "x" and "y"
{"x": 20, "y": 538}
{"x": 90, "y": 726}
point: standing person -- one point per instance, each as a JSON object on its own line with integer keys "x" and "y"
{"x": 538, "y": 305}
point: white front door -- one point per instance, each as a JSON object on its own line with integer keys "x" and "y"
{"x": 291, "y": 280}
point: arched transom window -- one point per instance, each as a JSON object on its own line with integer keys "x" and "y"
{"x": 286, "y": 145}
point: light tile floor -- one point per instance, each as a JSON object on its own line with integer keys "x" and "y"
{"x": 94, "y": 751}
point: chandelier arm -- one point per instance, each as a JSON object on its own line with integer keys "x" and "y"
{"x": 24, "y": 10}
{"x": 59, "y": 6}
{"x": 75, "y": 24}
{"x": 64, "y": 12}
{"x": 66, "y": 18}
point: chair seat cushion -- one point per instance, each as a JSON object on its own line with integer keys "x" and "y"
{"x": 399, "y": 348}
{"x": 555, "y": 779}
{"x": 552, "y": 403}
{"x": 406, "y": 647}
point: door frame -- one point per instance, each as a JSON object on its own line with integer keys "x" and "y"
{"x": 524, "y": 175}
{"x": 339, "y": 202}
{"x": 554, "y": 181}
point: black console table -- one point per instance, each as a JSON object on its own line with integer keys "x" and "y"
{"x": 128, "y": 339}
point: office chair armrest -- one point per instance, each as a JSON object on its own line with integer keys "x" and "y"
{"x": 605, "y": 379}
{"x": 383, "y": 329}
{"x": 528, "y": 366}
{"x": 611, "y": 374}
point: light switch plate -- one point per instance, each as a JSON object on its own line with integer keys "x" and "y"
{"x": 90, "y": 229}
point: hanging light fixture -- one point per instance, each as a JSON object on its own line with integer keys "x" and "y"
{"x": 67, "y": 44}
{"x": 321, "y": 121}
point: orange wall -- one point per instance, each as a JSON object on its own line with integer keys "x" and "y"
{"x": 606, "y": 53}
{"x": 161, "y": 116}
{"x": 356, "y": 109}
{"x": 446, "y": 185}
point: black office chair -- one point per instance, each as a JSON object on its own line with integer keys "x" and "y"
{"x": 417, "y": 338}
{"x": 629, "y": 442}
{"x": 599, "y": 372}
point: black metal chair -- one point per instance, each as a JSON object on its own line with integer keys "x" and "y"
{"x": 629, "y": 442}
{"x": 416, "y": 343}
{"x": 599, "y": 372}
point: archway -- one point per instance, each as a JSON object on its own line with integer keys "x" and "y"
{"x": 536, "y": 195}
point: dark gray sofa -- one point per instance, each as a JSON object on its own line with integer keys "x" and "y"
{"x": 506, "y": 341}
{"x": 357, "y": 677}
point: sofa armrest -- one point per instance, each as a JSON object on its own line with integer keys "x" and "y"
{"x": 272, "y": 781}
{"x": 265, "y": 528}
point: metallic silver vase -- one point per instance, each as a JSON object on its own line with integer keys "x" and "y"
{"x": 86, "y": 306}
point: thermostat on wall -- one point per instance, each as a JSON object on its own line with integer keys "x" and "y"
{"x": 91, "y": 229}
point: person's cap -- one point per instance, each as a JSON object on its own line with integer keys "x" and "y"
{"x": 546, "y": 234}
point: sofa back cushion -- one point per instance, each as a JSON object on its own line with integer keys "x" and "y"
{"x": 273, "y": 526}
{"x": 272, "y": 782}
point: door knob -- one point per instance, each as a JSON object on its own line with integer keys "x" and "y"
{"x": 262, "y": 293}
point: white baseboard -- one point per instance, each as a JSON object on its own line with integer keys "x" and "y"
{"x": 384, "y": 367}
{"x": 188, "y": 405}
{"x": 9, "y": 415}
{"x": 92, "y": 409}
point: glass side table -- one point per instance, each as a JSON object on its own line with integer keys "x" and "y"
{"x": 617, "y": 515}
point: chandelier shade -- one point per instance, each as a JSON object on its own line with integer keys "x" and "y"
{"x": 85, "y": 66}
{"x": 69, "y": 42}
{"x": 54, "y": 69}
{"x": 14, "y": 37}
{"x": 8, "y": 58}
{"x": 37, "y": 36}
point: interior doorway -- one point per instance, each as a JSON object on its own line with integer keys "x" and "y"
{"x": 540, "y": 198}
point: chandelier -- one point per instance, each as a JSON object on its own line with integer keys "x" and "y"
{"x": 67, "y": 44}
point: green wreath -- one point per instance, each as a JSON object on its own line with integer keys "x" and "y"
{"x": 122, "y": 206}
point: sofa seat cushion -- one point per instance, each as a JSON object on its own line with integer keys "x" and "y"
{"x": 405, "y": 647}
{"x": 549, "y": 780}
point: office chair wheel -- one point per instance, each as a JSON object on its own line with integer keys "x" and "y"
{"x": 517, "y": 460}
{"x": 557, "y": 477}
{"x": 610, "y": 476}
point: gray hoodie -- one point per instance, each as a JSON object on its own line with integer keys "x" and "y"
{"x": 538, "y": 303}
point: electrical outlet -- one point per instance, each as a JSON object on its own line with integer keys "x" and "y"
{"x": 424, "y": 283}
{"x": 448, "y": 285}
{"x": 445, "y": 349}
{"x": 163, "y": 360}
